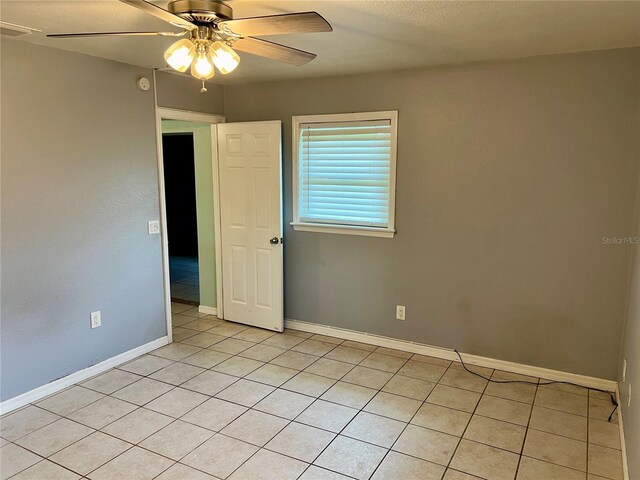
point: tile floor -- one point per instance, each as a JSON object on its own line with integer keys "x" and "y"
{"x": 227, "y": 401}
{"x": 184, "y": 279}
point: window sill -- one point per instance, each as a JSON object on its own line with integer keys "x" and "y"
{"x": 344, "y": 229}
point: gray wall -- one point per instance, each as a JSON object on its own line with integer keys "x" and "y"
{"x": 79, "y": 182}
{"x": 631, "y": 352}
{"x": 509, "y": 174}
{"x": 183, "y": 92}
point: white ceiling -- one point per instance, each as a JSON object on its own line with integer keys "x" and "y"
{"x": 368, "y": 35}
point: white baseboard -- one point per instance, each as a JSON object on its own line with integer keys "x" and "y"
{"x": 448, "y": 354}
{"x": 623, "y": 443}
{"x": 208, "y": 310}
{"x": 79, "y": 376}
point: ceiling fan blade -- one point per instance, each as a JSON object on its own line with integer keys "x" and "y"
{"x": 116, "y": 34}
{"x": 161, "y": 13}
{"x": 274, "y": 51}
{"x": 307, "y": 22}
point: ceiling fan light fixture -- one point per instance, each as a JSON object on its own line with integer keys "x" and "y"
{"x": 214, "y": 35}
{"x": 224, "y": 57}
{"x": 180, "y": 55}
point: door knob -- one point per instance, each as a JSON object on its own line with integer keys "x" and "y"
{"x": 274, "y": 241}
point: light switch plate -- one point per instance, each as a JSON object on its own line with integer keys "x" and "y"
{"x": 154, "y": 227}
{"x": 96, "y": 319}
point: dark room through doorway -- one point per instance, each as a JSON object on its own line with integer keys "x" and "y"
{"x": 182, "y": 223}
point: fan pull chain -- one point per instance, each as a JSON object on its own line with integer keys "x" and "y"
{"x": 203, "y": 89}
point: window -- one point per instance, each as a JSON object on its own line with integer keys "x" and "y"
{"x": 344, "y": 173}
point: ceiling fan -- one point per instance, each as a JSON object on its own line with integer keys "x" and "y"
{"x": 214, "y": 35}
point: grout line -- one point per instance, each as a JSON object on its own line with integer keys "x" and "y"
{"x": 475, "y": 408}
{"x": 526, "y": 432}
{"x": 586, "y": 467}
{"x": 19, "y": 472}
{"x": 338, "y": 434}
{"x": 407, "y": 424}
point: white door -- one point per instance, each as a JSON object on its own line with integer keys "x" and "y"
{"x": 250, "y": 165}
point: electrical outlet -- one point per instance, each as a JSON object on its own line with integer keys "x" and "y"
{"x": 624, "y": 370}
{"x": 96, "y": 319}
{"x": 400, "y": 312}
{"x": 154, "y": 227}
{"x": 629, "y": 397}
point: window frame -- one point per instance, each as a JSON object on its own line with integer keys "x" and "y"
{"x": 345, "y": 229}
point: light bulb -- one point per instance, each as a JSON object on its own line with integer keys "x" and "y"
{"x": 180, "y": 55}
{"x": 202, "y": 67}
{"x": 224, "y": 57}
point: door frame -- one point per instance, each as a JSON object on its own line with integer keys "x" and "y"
{"x": 163, "y": 113}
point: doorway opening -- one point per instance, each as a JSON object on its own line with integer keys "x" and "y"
{"x": 187, "y": 166}
{"x": 238, "y": 204}
{"x": 182, "y": 222}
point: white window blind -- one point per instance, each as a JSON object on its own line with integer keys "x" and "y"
{"x": 344, "y": 173}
